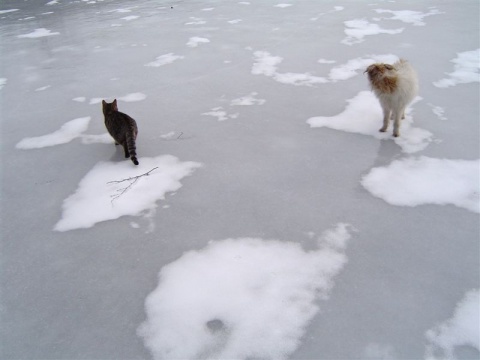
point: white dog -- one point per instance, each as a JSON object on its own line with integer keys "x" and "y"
{"x": 395, "y": 87}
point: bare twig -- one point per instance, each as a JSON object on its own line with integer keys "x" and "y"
{"x": 131, "y": 180}
{"x": 133, "y": 177}
{"x": 179, "y": 136}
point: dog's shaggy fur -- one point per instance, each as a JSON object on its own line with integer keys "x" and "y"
{"x": 395, "y": 87}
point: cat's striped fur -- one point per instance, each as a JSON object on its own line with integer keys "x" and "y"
{"x": 122, "y": 128}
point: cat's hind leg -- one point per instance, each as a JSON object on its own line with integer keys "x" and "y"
{"x": 125, "y": 148}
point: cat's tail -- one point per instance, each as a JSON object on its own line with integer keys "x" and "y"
{"x": 130, "y": 137}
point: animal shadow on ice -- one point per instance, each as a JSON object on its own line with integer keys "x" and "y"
{"x": 387, "y": 152}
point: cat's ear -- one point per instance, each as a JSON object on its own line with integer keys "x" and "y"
{"x": 104, "y": 103}
{"x": 114, "y": 105}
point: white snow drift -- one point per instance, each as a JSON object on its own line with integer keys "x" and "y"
{"x": 241, "y": 298}
{"x": 463, "y": 329}
{"x": 424, "y": 180}
{"x": 96, "y": 199}
{"x": 363, "y": 115}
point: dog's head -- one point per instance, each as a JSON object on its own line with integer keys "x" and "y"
{"x": 375, "y": 71}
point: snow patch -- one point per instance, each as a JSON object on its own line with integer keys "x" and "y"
{"x": 363, "y": 115}
{"x": 195, "y": 41}
{"x": 8, "y": 11}
{"x": 460, "y": 330}
{"x": 466, "y": 70}
{"x": 325, "y": 61}
{"x": 247, "y": 100}
{"x": 266, "y": 64}
{"x": 357, "y": 29}
{"x": 133, "y": 97}
{"x": 424, "y": 180}
{"x": 69, "y": 131}
{"x": 351, "y": 68}
{"x": 221, "y": 114}
{"x": 221, "y": 297}
{"x": 196, "y": 21}
{"x": 439, "y": 111}
{"x": 408, "y": 16}
{"x": 97, "y": 200}
{"x": 43, "y": 88}
{"x": 283, "y": 6}
{"x": 80, "y": 99}
{"x": 138, "y": 96}
{"x": 37, "y": 33}
{"x": 121, "y": 10}
{"x": 104, "y": 138}
{"x": 165, "y": 60}
{"x": 130, "y": 18}
{"x": 3, "y": 81}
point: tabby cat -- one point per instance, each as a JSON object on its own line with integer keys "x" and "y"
{"x": 122, "y": 128}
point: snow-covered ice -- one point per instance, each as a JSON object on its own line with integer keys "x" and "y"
{"x": 258, "y": 141}
{"x": 241, "y": 298}
{"x": 424, "y": 180}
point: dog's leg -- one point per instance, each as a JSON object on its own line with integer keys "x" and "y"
{"x": 396, "y": 123}
{"x": 386, "y": 119}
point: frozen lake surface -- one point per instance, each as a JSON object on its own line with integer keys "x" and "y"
{"x": 268, "y": 218}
